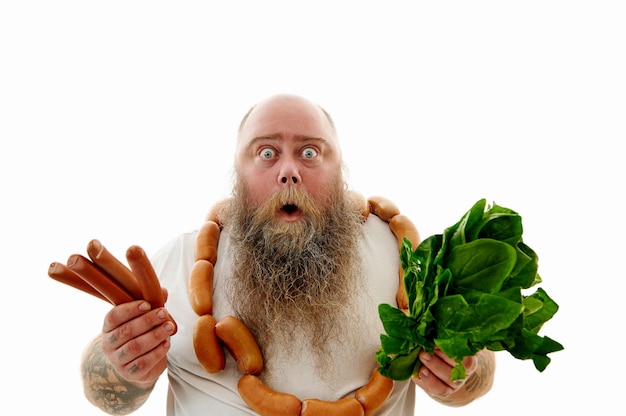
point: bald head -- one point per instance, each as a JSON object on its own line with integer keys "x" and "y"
{"x": 288, "y": 101}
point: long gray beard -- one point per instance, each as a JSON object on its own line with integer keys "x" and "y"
{"x": 295, "y": 284}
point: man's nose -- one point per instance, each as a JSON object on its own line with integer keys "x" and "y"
{"x": 289, "y": 174}
{"x": 293, "y": 179}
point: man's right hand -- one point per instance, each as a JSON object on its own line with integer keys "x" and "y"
{"x": 135, "y": 340}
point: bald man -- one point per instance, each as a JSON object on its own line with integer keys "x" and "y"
{"x": 298, "y": 264}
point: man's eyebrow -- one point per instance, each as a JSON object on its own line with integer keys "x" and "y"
{"x": 320, "y": 139}
{"x": 278, "y": 136}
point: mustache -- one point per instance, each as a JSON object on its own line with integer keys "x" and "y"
{"x": 291, "y": 199}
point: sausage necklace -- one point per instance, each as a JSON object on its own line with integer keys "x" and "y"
{"x": 209, "y": 335}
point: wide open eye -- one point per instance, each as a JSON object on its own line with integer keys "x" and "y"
{"x": 309, "y": 153}
{"x": 267, "y": 153}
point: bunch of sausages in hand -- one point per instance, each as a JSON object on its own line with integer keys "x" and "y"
{"x": 102, "y": 275}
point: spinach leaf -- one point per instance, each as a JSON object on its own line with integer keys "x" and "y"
{"x": 464, "y": 288}
{"x": 482, "y": 264}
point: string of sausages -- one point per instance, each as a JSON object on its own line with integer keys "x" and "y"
{"x": 209, "y": 334}
{"x": 103, "y": 276}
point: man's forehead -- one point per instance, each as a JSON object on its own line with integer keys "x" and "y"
{"x": 289, "y": 114}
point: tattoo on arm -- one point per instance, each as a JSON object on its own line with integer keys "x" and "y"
{"x": 477, "y": 385}
{"x": 105, "y": 388}
{"x": 482, "y": 379}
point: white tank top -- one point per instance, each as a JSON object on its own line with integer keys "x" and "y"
{"x": 194, "y": 392}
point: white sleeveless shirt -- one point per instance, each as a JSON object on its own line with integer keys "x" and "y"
{"x": 194, "y": 392}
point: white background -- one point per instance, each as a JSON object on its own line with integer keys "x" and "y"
{"x": 117, "y": 122}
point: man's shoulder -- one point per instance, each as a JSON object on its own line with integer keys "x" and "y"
{"x": 175, "y": 250}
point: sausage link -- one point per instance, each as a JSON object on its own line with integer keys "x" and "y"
{"x": 61, "y": 273}
{"x": 348, "y": 406}
{"x": 401, "y": 226}
{"x": 207, "y": 346}
{"x": 200, "y": 287}
{"x": 402, "y": 298}
{"x": 374, "y": 394}
{"x": 206, "y": 242}
{"x": 383, "y": 208}
{"x": 265, "y": 401}
{"x": 98, "y": 279}
{"x": 241, "y": 344}
{"x": 113, "y": 267}
{"x": 146, "y": 277}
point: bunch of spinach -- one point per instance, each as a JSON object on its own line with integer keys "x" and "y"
{"x": 465, "y": 290}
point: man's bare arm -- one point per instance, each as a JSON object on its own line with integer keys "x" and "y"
{"x": 104, "y": 387}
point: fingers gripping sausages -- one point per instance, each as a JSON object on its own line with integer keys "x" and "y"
{"x": 146, "y": 276}
{"x": 265, "y": 401}
{"x": 201, "y": 287}
{"x": 61, "y": 273}
{"x": 348, "y": 406}
{"x": 207, "y": 346}
{"x": 113, "y": 267}
{"x": 241, "y": 344}
{"x": 98, "y": 279}
{"x": 374, "y": 394}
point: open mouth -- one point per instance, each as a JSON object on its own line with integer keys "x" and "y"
{"x": 289, "y": 209}
{"x": 290, "y": 212}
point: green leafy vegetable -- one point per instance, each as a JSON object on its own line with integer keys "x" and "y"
{"x": 465, "y": 291}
